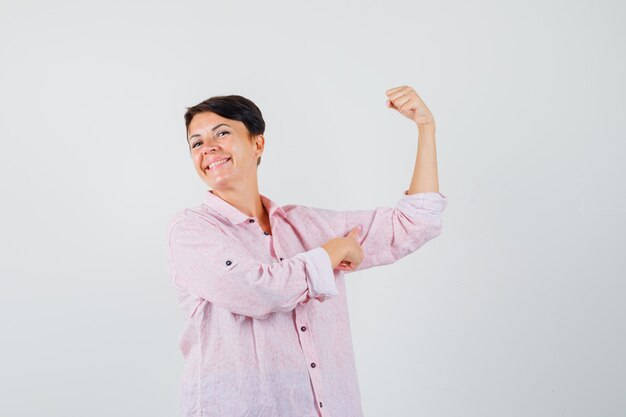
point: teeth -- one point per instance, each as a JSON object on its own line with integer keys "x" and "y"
{"x": 220, "y": 162}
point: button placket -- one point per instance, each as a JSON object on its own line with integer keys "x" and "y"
{"x": 264, "y": 232}
{"x": 305, "y": 336}
{"x": 309, "y": 352}
{"x": 274, "y": 249}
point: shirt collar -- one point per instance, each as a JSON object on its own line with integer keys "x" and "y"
{"x": 232, "y": 213}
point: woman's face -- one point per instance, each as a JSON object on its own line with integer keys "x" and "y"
{"x": 212, "y": 137}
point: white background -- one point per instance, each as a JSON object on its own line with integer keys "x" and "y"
{"x": 516, "y": 309}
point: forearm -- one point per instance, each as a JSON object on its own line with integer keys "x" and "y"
{"x": 425, "y": 177}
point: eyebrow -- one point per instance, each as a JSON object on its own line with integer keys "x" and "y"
{"x": 212, "y": 130}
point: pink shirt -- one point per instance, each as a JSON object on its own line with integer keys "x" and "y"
{"x": 268, "y": 332}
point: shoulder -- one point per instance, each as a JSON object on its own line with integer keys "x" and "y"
{"x": 298, "y": 212}
{"x": 318, "y": 212}
{"x": 314, "y": 216}
{"x": 198, "y": 217}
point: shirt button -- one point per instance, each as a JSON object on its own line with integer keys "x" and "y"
{"x": 313, "y": 365}
{"x": 228, "y": 262}
{"x": 266, "y": 233}
{"x": 250, "y": 220}
{"x": 320, "y": 404}
{"x": 282, "y": 259}
{"x": 303, "y": 328}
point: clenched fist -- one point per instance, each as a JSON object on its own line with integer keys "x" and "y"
{"x": 405, "y": 100}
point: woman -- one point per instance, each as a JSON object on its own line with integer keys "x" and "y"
{"x": 262, "y": 285}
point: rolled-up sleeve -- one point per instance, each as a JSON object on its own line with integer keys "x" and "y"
{"x": 212, "y": 265}
{"x": 390, "y": 233}
{"x": 320, "y": 276}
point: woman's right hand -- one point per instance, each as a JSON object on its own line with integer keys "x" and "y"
{"x": 346, "y": 253}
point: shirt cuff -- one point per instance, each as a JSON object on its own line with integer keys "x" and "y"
{"x": 320, "y": 275}
{"x": 429, "y": 204}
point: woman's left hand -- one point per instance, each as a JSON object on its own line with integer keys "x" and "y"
{"x": 405, "y": 100}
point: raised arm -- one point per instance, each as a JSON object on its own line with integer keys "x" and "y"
{"x": 390, "y": 233}
{"x": 408, "y": 103}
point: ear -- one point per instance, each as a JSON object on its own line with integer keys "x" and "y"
{"x": 260, "y": 144}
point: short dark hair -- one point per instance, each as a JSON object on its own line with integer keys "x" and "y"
{"x": 232, "y": 107}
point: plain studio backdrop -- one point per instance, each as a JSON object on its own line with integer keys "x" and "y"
{"x": 516, "y": 309}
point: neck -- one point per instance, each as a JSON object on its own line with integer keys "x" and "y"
{"x": 247, "y": 200}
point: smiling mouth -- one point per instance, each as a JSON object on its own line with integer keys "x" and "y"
{"x": 219, "y": 165}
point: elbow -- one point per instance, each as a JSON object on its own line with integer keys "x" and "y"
{"x": 436, "y": 229}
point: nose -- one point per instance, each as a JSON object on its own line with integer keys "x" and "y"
{"x": 208, "y": 145}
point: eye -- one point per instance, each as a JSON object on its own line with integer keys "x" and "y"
{"x": 217, "y": 134}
